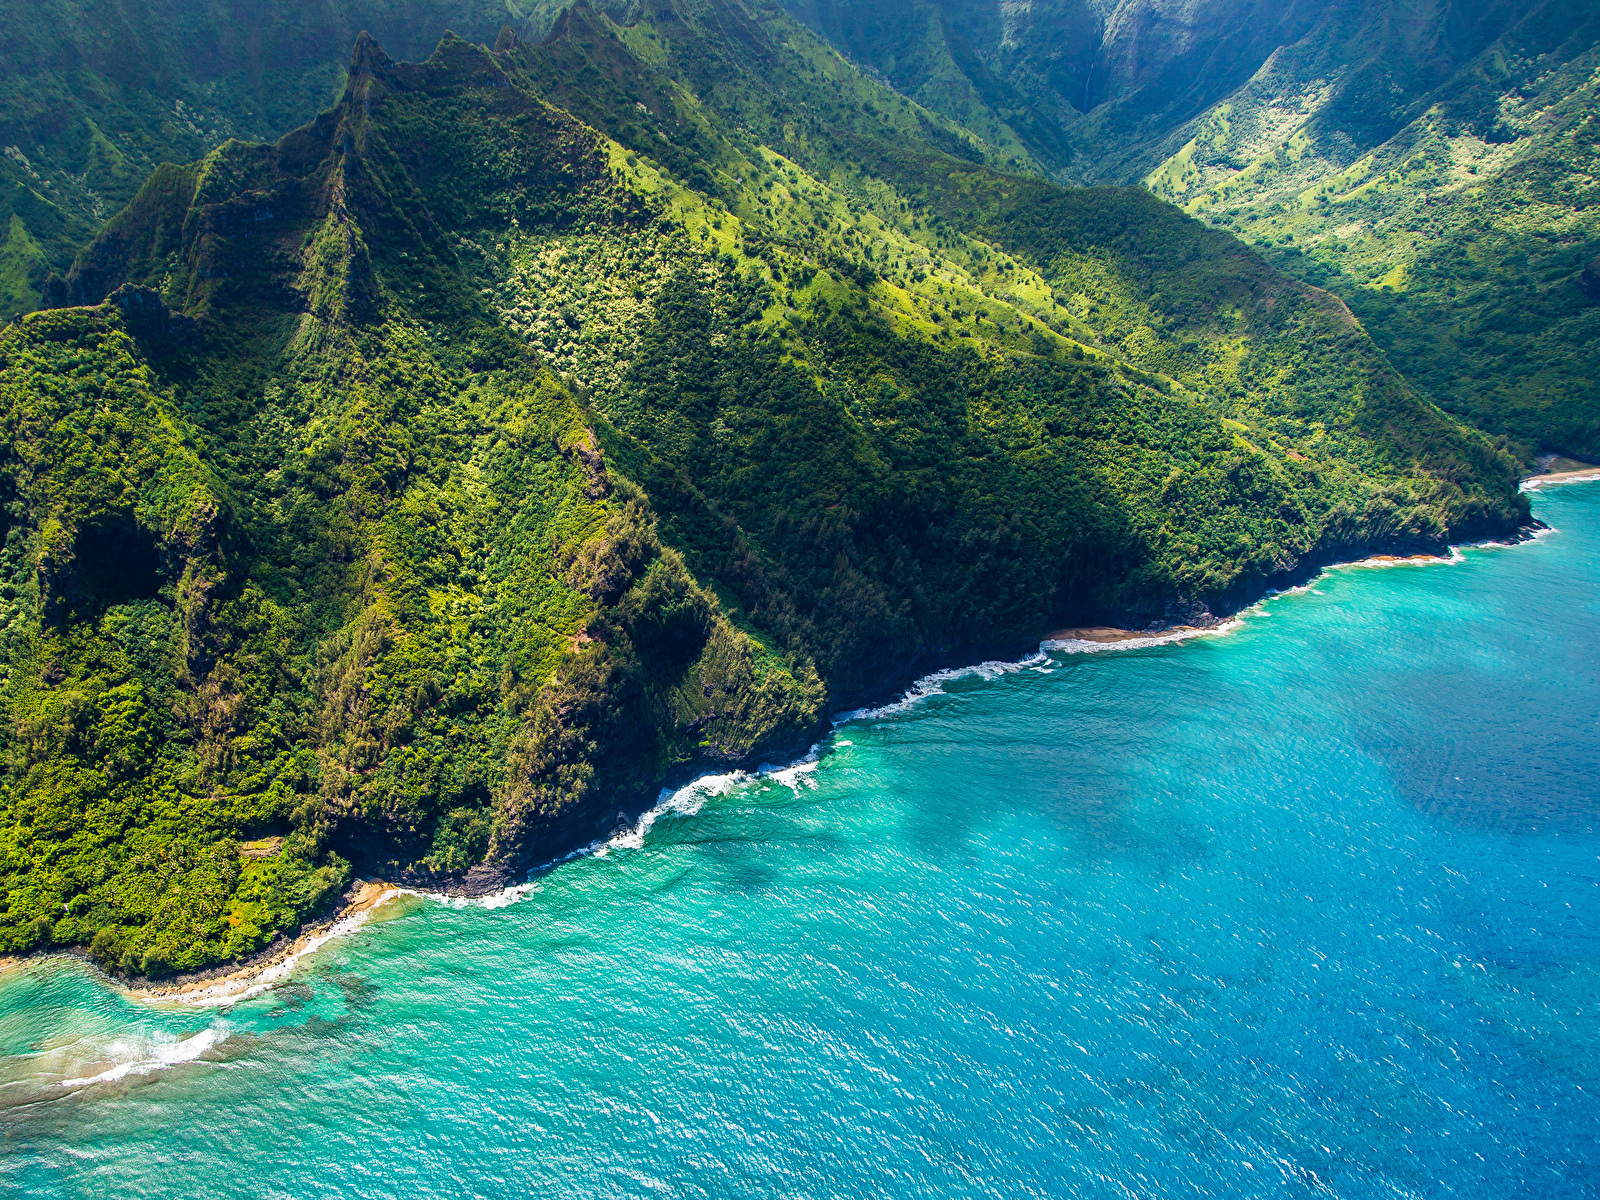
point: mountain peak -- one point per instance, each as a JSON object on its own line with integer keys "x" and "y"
{"x": 368, "y": 58}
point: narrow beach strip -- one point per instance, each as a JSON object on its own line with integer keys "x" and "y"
{"x": 249, "y": 981}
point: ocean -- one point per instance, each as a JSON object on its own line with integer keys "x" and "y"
{"x": 1309, "y": 907}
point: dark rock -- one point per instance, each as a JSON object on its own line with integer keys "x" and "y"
{"x": 1589, "y": 281}
{"x": 153, "y": 325}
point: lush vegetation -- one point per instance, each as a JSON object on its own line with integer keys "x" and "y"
{"x": 344, "y": 574}
{"x": 1459, "y": 230}
{"x": 1430, "y": 172}
{"x": 425, "y": 487}
{"x": 1433, "y": 165}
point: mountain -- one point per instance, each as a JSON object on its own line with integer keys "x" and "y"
{"x": 1461, "y": 239}
{"x": 1430, "y": 163}
{"x": 95, "y": 95}
{"x": 1426, "y": 162}
{"x": 417, "y": 492}
{"x": 1103, "y": 93}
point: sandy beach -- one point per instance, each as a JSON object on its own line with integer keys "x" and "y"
{"x": 1577, "y": 475}
{"x": 1110, "y": 635}
{"x": 1104, "y": 635}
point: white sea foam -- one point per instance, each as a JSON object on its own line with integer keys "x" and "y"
{"x": 1143, "y": 641}
{"x": 139, "y": 1055}
{"x": 228, "y": 992}
{"x": 795, "y": 774}
{"x": 1543, "y": 481}
{"x": 933, "y": 685}
{"x": 688, "y": 800}
{"x": 684, "y": 802}
{"x": 509, "y": 895}
{"x": 505, "y": 897}
{"x": 1382, "y": 561}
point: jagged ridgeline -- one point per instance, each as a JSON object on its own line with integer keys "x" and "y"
{"x": 413, "y": 495}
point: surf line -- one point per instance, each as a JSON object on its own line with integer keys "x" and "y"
{"x": 686, "y": 801}
{"x": 691, "y": 798}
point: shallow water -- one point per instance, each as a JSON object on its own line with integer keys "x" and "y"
{"x": 1309, "y": 908}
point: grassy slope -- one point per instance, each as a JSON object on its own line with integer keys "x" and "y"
{"x": 1430, "y": 163}
{"x": 1493, "y": 328}
{"x": 1008, "y": 265}
{"x": 435, "y": 479}
{"x": 914, "y": 46}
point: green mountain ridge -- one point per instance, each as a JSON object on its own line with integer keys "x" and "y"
{"x": 1432, "y": 164}
{"x": 425, "y": 487}
{"x": 96, "y": 95}
{"x": 1461, "y": 241}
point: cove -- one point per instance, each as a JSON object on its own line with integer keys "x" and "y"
{"x": 1307, "y": 908}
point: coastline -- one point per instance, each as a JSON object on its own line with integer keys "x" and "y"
{"x": 1108, "y": 637}
{"x": 440, "y": 1016}
{"x": 223, "y": 986}
{"x": 1101, "y": 635}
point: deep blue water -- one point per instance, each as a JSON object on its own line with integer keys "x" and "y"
{"x": 1309, "y": 908}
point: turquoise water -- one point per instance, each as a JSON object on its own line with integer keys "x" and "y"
{"x": 1310, "y": 908}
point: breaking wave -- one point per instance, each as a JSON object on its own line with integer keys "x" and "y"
{"x": 933, "y": 685}
{"x": 686, "y": 801}
{"x": 100, "y": 1057}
